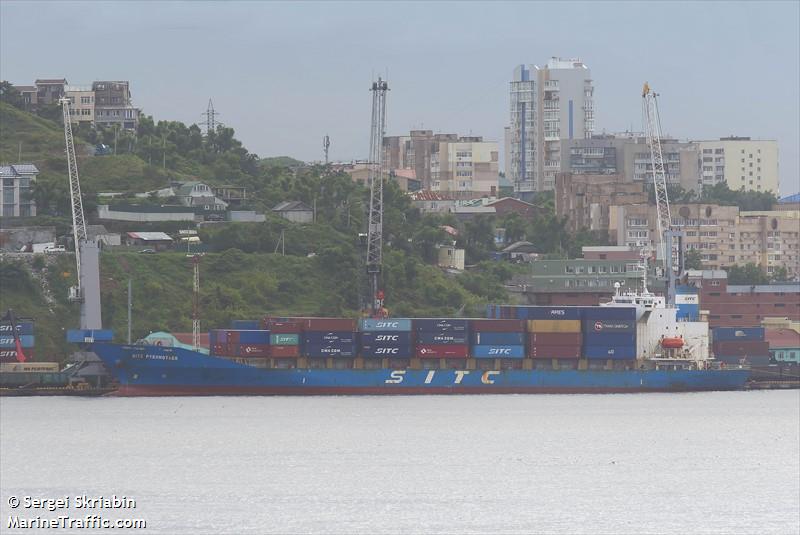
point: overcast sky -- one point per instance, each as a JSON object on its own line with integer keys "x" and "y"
{"x": 285, "y": 74}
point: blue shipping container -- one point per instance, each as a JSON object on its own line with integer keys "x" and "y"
{"x": 610, "y": 352}
{"x": 379, "y": 350}
{"x": 254, "y": 337}
{"x": 388, "y": 339}
{"x": 330, "y": 350}
{"x": 722, "y": 334}
{"x": 26, "y": 340}
{"x": 609, "y": 339}
{"x": 326, "y": 338}
{"x": 498, "y": 351}
{"x": 503, "y": 339}
{"x": 246, "y": 325}
{"x": 609, "y": 326}
{"x": 609, "y": 313}
{"x": 23, "y": 327}
{"x": 391, "y": 324}
{"x": 79, "y": 336}
{"x": 440, "y": 325}
{"x": 553, "y": 313}
{"x": 444, "y": 338}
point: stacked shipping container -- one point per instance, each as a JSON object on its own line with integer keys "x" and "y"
{"x": 733, "y": 344}
{"x": 609, "y": 333}
{"x": 441, "y": 338}
{"x": 553, "y": 332}
{"x": 495, "y": 338}
{"x": 8, "y": 346}
{"x": 386, "y": 338}
{"x": 240, "y": 343}
{"x": 329, "y": 337}
{"x": 285, "y": 337}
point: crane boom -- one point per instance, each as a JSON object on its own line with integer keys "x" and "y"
{"x": 376, "y": 178}
{"x": 652, "y": 124}
{"x": 78, "y": 221}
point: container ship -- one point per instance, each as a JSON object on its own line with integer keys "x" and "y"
{"x": 635, "y": 343}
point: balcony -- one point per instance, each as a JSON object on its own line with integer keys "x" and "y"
{"x": 552, "y": 165}
{"x": 551, "y": 136}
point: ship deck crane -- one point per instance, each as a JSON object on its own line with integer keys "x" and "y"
{"x": 87, "y": 253}
{"x": 670, "y": 240}
{"x": 376, "y": 178}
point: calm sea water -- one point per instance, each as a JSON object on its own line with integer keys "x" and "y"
{"x": 646, "y": 463}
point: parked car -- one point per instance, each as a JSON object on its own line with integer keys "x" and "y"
{"x": 54, "y": 249}
{"x": 147, "y": 251}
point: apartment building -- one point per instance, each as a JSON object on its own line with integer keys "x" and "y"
{"x": 547, "y": 104}
{"x": 741, "y": 162}
{"x": 444, "y": 162}
{"x": 723, "y": 235}
{"x": 16, "y": 186}
{"x": 628, "y": 155}
{"x": 585, "y": 199}
{"x": 81, "y": 104}
{"x": 467, "y": 164}
{"x": 49, "y": 91}
{"x": 112, "y": 101}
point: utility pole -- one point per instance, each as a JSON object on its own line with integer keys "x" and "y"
{"x": 115, "y": 140}
{"x": 326, "y": 144}
{"x": 19, "y": 153}
{"x": 130, "y": 300}
{"x": 196, "y": 302}
{"x": 211, "y": 118}
{"x": 164, "y": 151}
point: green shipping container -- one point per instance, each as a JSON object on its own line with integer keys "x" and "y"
{"x": 284, "y": 339}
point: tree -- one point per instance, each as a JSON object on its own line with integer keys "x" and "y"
{"x": 748, "y": 274}
{"x": 693, "y": 259}
{"x": 780, "y": 274}
{"x": 10, "y": 95}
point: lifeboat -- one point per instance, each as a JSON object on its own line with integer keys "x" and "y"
{"x": 672, "y": 343}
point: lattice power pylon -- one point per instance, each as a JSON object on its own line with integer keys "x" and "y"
{"x": 376, "y": 177}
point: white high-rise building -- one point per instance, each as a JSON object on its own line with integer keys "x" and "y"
{"x": 548, "y": 104}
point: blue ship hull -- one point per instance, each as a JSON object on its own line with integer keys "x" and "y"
{"x": 164, "y": 371}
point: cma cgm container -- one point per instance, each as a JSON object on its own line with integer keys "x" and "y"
{"x": 437, "y": 337}
{"x": 440, "y": 325}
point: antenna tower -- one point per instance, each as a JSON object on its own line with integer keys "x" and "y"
{"x": 326, "y": 143}
{"x": 376, "y": 178}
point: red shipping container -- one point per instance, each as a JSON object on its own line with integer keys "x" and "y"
{"x": 497, "y": 326}
{"x": 555, "y": 352}
{"x": 436, "y": 351}
{"x": 284, "y": 351}
{"x": 741, "y": 349}
{"x": 555, "y": 339}
{"x": 232, "y": 337}
{"x": 329, "y": 324}
{"x": 219, "y": 349}
{"x": 284, "y": 327}
{"x": 253, "y": 350}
